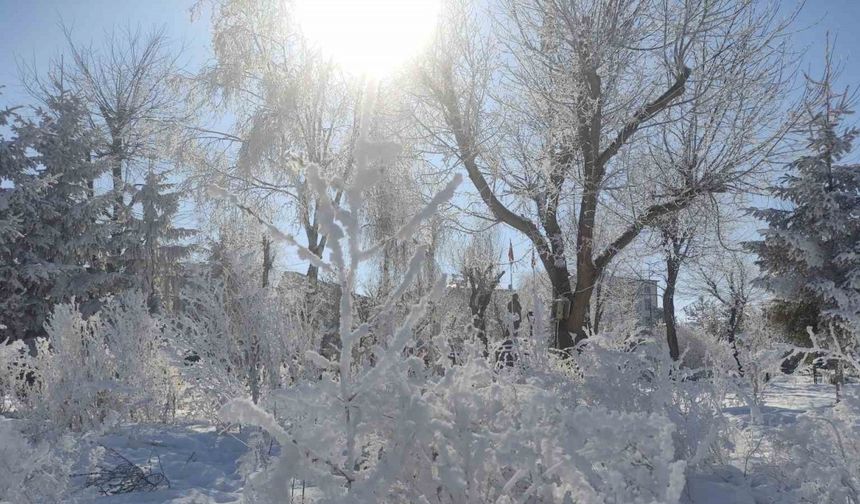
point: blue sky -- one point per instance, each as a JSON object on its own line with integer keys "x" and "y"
{"x": 30, "y": 33}
{"x": 30, "y": 30}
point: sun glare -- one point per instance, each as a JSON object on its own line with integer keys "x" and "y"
{"x": 368, "y": 37}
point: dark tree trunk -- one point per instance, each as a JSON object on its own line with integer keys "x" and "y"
{"x": 268, "y": 259}
{"x": 316, "y": 244}
{"x": 116, "y": 174}
{"x": 561, "y": 290}
{"x": 734, "y": 324}
{"x": 313, "y": 272}
{"x": 838, "y": 378}
{"x": 577, "y": 323}
{"x": 599, "y": 304}
{"x": 253, "y": 354}
{"x": 515, "y": 309}
{"x": 673, "y": 265}
{"x": 482, "y": 283}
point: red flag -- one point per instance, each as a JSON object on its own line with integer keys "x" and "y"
{"x": 510, "y": 251}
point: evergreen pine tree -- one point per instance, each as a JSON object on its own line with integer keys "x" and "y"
{"x": 157, "y": 245}
{"x": 54, "y": 227}
{"x": 809, "y": 251}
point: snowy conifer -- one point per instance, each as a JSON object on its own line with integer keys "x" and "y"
{"x": 54, "y": 232}
{"x": 809, "y": 251}
{"x": 157, "y": 248}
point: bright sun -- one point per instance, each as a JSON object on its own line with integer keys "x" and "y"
{"x": 368, "y": 37}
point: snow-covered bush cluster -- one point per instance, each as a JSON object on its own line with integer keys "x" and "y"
{"x": 16, "y": 364}
{"x": 817, "y": 458}
{"x": 30, "y": 473}
{"x": 108, "y": 367}
{"x": 233, "y": 335}
{"x": 637, "y": 375}
{"x": 467, "y": 435}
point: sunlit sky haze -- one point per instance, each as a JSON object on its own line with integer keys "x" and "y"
{"x": 370, "y": 38}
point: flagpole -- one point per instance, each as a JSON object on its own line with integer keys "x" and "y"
{"x": 534, "y": 297}
{"x": 512, "y": 324}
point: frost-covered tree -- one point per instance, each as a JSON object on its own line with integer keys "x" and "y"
{"x": 551, "y": 123}
{"x": 676, "y": 239}
{"x": 708, "y": 133}
{"x": 809, "y": 251}
{"x": 481, "y": 275}
{"x": 56, "y": 236}
{"x": 125, "y": 85}
{"x": 384, "y": 215}
{"x": 16, "y": 366}
{"x": 284, "y": 101}
{"x": 153, "y": 258}
{"x": 728, "y": 284}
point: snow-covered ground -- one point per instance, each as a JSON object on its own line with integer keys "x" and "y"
{"x": 788, "y": 396}
{"x": 202, "y": 464}
{"x": 785, "y": 398}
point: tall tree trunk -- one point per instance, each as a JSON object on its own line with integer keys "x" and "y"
{"x": 316, "y": 244}
{"x": 253, "y": 355}
{"x": 268, "y": 260}
{"x": 117, "y": 214}
{"x": 838, "y": 377}
{"x": 482, "y": 284}
{"x": 598, "y": 306}
{"x": 673, "y": 265}
{"x": 577, "y": 323}
{"x": 116, "y": 174}
{"x": 317, "y": 248}
{"x": 561, "y": 290}
{"x": 313, "y": 272}
{"x": 734, "y": 323}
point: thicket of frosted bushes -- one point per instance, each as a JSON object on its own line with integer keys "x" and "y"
{"x": 616, "y": 422}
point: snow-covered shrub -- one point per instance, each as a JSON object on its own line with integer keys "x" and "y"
{"x": 637, "y": 374}
{"x": 136, "y": 343}
{"x": 696, "y": 347}
{"x": 108, "y": 365}
{"x": 29, "y": 473}
{"x": 75, "y": 370}
{"x": 746, "y": 368}
{"x": 233, "y": 335}
{"x": 308, "y": 307}
{"x": 16, "y": 365}
{"x": 761, "y": 351}
{"x": 817, "y": 458}
{"x": 467, "y": 436}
